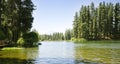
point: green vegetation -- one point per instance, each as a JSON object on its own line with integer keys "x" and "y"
{"x": 28, "y": 39}
{"x": 105, "y": 41}
{"x": 97, "y": 23}
{"x": 81, "y": 40}
{"x": 68, "y": 34}
{"x": 92, "y": 23}
{"x": 15, "y": 21}
{"x": 57, "y": 36}
{"x": 11, "y": 48}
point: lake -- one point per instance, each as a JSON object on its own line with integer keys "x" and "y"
{"x": 61, "y": 52}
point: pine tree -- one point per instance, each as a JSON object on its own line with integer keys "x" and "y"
{"x": 116, "y": 20}
{"x": 109, "y": 26}
{"x": 75, "y": 25}
{"x": 98, "y": 23}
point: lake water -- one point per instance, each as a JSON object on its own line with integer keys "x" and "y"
{"x": 64, "y": 53}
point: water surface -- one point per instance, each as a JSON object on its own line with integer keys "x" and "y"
{"x": 64, "y": 53}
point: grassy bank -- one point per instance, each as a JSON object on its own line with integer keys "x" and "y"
{"x": 104, "y": 41}
{"x": 100, "y": 41}
{"x": 11, "y": 48}
{"x": 82, "y": 40}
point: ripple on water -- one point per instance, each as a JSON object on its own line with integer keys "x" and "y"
{"x": 54, "y": 61}
{"x": 63, "y": 61}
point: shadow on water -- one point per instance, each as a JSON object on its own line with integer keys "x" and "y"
{"x": 87, "y": 62}
{"x": 45, "y": 61}
{"x": 64, "y": 61}
{"x": 15, "y": 61}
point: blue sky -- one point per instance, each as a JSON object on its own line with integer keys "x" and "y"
{"x": 57, "y": 15}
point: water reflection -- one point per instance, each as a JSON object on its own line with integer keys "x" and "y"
{"x": 56, "y": 50}
{"x": 56, "y": 53}
{"x": 64, "y": 53}
{"x": 15, "y": 61}
{"x": 61, "y": 53}
{"x": 103, "y": 53}
{"x": 20, "y": 56}
{"x": 25, "y": 53}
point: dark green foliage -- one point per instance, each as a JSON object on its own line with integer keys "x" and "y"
{"x": 116, "y": 21}
{"x": 55, "y": 36}
{"x": 68, "y": 34}
{"x": 30, "y": 39}
{"x": 20, "y": 42}
{"x": 15, "y": 18}
{"x": 102, "y": 22}
{"x": 2, "y": 35}
{"x": 75, "y": 25}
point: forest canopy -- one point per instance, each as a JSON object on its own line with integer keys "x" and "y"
{"x": 102, "y": 22}
{"x": 15, "y": 19}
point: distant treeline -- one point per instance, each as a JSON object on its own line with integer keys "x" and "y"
{"x": 57, "y": 36}
{"x": 101, "y": 22}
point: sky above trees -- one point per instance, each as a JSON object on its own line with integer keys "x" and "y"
{"x": 57, "y": 15}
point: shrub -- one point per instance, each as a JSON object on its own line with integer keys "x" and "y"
{"x": 20, "y": 41}
{"x": 73, "y": 39}
{"x": 2, "y": 35}
{"x": 81, "y": 40}
{"x": 30, "y": 39}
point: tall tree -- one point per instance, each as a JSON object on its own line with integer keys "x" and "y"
{"x": 0, "y": 11}
{"x": 75, "y": 25}
{"x": 68, "y": 34}
{"x": 17, "y": 15}
{"x": 110, "y": 20}
{"x": 102, "y": 22}
{"x": 116, "y": 20}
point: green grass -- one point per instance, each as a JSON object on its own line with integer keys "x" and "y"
{"x": 104, "y": 41}
{"x": 82, "y": 40}
{"x": 11, "y": 48}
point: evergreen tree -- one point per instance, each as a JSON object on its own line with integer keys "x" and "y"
{"x": 15, "y": 18}
{"x": 68, "y": 34}
{"x": 102, "y": 22}
{"x": 75, "y": 25}
{"x": 109, "y": 26}
{"x": 116, "y": 31}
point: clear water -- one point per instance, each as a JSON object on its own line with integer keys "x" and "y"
{"x": 64, "y": 53}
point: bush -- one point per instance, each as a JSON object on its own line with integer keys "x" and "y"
{"x": 30, "y": 39}
{"x": 81, "y": 40}
{"x": 2, "y": 35}
{"x": 73, "y": 39}
{"x": 20, "y": 41}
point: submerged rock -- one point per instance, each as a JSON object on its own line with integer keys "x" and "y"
{"x": 39, "y": 43}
